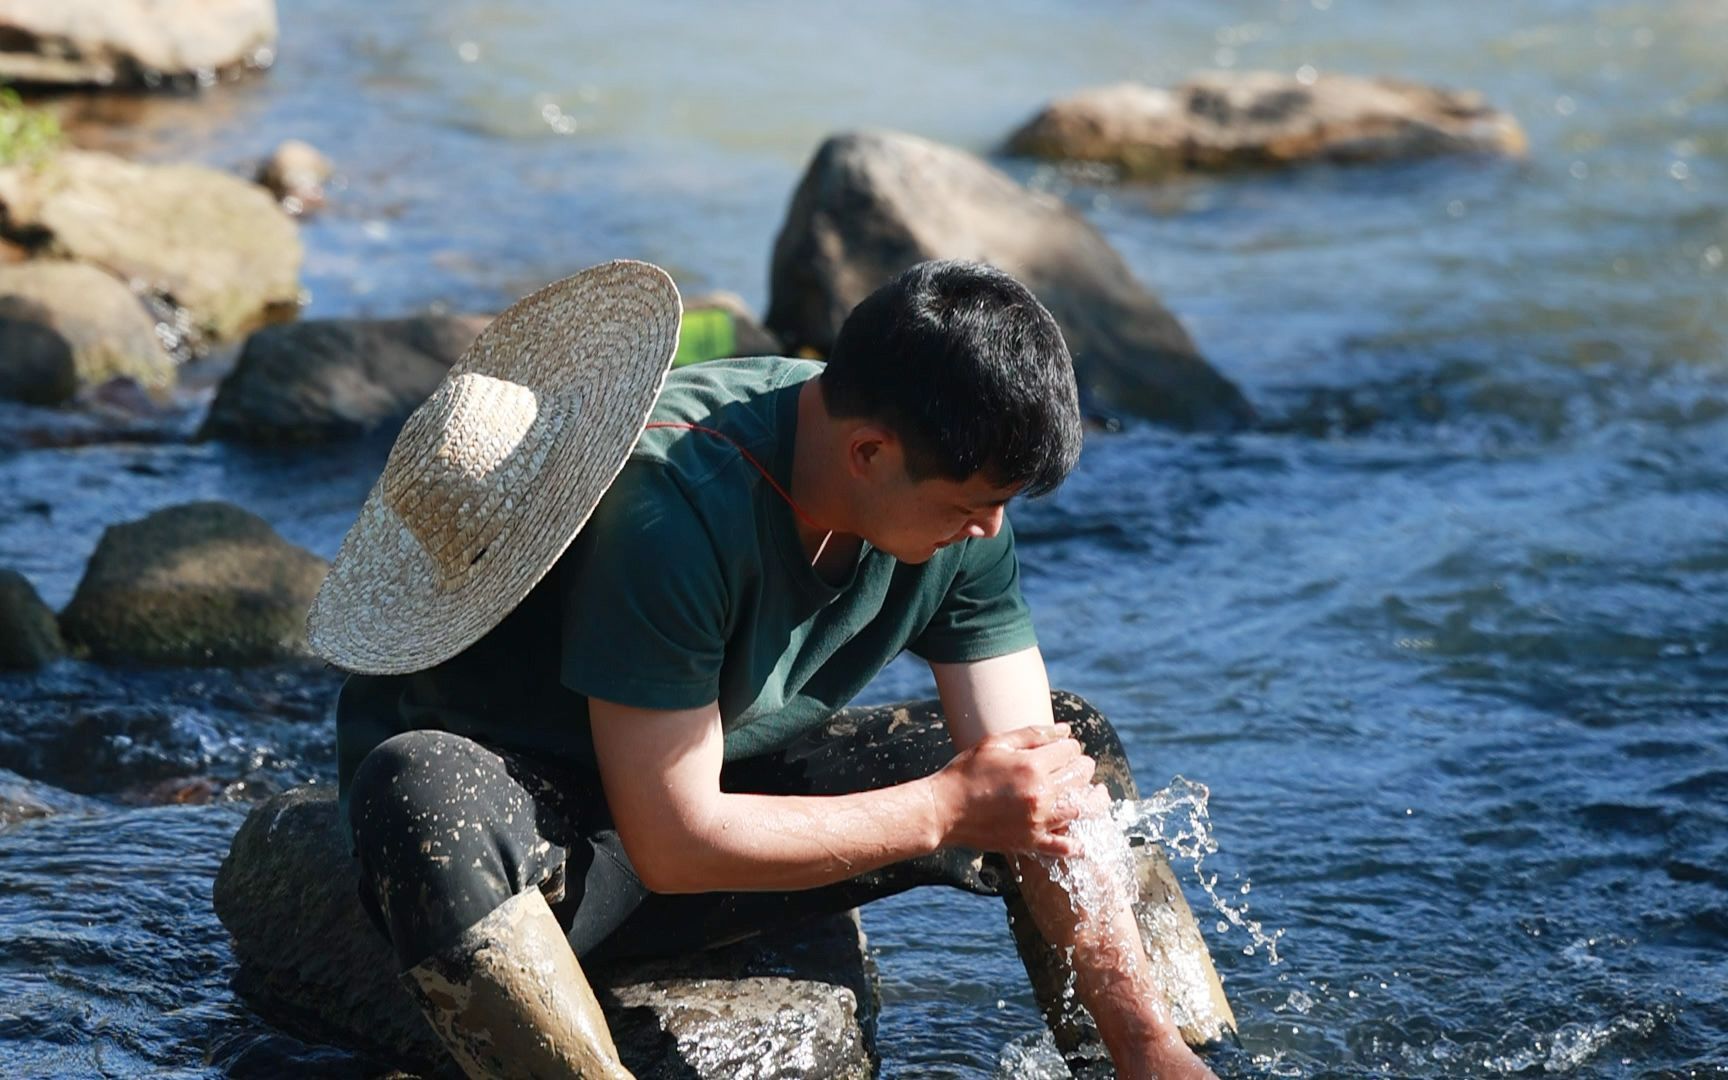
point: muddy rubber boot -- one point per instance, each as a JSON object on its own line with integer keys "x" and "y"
{"x": 509, "y": 1000}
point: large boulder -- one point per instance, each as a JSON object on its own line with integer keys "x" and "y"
{"x": 78, "y": 317}
{"x": 871, "y": 205}
{"x": 1231, "y": 120}
{"x": 132, "y": 43}
{"x": 212, "y": 243}
{"x": 326, "y": 378}
{"x": 29, "y": 634}
{"x": 800, "y": 1005}
{"x": 199, "y": 583}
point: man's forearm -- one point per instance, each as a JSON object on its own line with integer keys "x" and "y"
{"x": 763, "y": 842}
{"x": 1112, "y": 975}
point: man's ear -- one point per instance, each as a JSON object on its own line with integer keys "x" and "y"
{"x": 865, "y": 449}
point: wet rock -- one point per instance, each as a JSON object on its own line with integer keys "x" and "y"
{"x": 211, "y": 243}
{"x": 200, "y": 583}
{"x": 803, "y": 1001}
{"x": 726, "y": 327}
{"x": 29, "y": 634}
{"x": 296, "y": 174}
{"x": 132, "y": 43}
{"x": 95, "y": 330}
{"x": 331, "y": 378}
{"x": 1232, "y": 120}
{"x": 175, "y": 791}
{"x": 26, "y": 800}
{"x": 871, "y": 205}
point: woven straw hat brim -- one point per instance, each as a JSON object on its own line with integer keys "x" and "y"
{"x": 495, "y": 473}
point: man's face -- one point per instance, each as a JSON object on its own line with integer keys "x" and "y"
{"x": 913, "y": 519}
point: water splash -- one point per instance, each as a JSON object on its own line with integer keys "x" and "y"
{"x": 1177, "y": 817}
{"x": 1108, "y": 876}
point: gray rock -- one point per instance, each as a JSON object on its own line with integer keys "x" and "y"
{"x": 295, "y": 172}
{"x": 212, "y": 243}
{"x": 330, "y": 378}
{"x": 132, "y": 43}
{"x": 199, "y": 583}
{"x": 1232, "y": 120}
{"x": 29, "y": 634}
{"x": 871, "y": 205}
{"x": 798, "y": 1006}
{"x": 91, "y": 318}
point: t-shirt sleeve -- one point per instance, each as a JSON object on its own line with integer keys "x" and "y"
{"x": 644, "y": 599}
{"x": 983, "y": 614}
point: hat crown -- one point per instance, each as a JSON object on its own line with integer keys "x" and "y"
{"x": 462, "y": 459}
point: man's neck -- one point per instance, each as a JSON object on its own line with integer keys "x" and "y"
{"x": 813, "y": 486}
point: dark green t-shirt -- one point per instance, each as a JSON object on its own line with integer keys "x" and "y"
{"x": 689, "y": 585}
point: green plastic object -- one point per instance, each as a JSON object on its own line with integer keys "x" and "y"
{"x": 707, "y": 334}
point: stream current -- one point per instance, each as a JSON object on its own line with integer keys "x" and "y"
{"x": 1443, "y": 636}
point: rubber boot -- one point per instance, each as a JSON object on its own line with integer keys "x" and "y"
{"x": 509, "y": 1000}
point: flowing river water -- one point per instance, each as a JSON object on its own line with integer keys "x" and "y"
{"x": 1444, "y": 637}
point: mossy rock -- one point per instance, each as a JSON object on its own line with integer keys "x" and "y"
{"x": 29, "y": 634}
{"x": 199, "y": 583}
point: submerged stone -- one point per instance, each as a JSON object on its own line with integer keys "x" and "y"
{"x": 311, "y": 963}
{"x": 22, "y": 800}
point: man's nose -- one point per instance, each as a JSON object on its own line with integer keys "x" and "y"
{"x": 986, "y": 527}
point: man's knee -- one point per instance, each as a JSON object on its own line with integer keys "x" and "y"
{"x": 1099, "y": 738}
{"x": 399, "y": 780}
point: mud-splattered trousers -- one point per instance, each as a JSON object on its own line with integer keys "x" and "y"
{"x": 447, "y": 829}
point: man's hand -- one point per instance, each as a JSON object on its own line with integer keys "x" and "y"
{"x": 1017, "y": 792}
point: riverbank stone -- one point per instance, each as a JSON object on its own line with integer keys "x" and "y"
{"x": 323, "y": 379}
{"x": 85, "y": 328}
{"x": 872, "y": 204}
{"x": 211, "y": 243}
{"x": 29, "y": 633}
{"x": 296, "y": 172}
{"x": 1223, "y": 120}
{"x": 133, "y": 43}
{"x": 199, "y": 583}
{"x": 801, "y": 1004}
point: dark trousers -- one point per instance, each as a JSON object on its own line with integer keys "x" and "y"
{"x": 447, "y": 829}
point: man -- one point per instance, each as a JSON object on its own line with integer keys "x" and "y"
{"x": 627, "y": 746}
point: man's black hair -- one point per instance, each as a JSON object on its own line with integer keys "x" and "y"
{"x": 965, "y": 366}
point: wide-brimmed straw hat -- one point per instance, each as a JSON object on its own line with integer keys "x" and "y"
{"x": 494, "y": 475}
